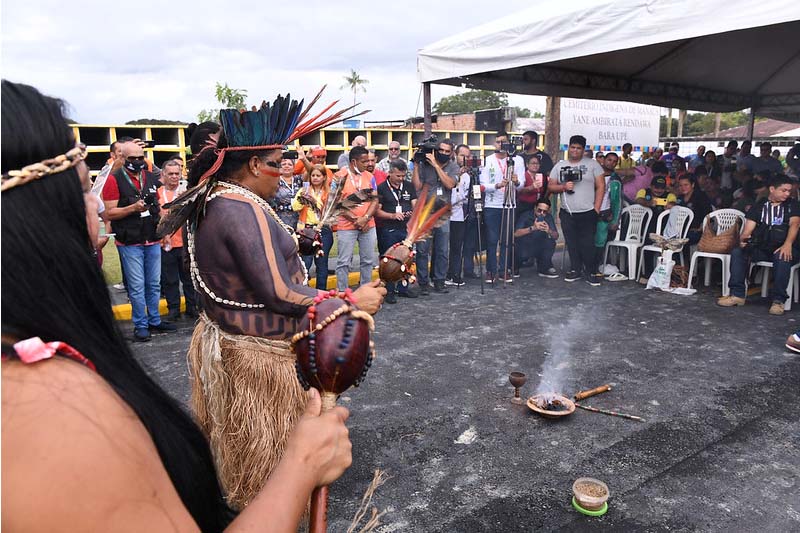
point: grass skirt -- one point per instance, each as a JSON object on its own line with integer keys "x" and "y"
{"x": 246, "y": 398}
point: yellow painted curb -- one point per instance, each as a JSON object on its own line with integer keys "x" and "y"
{"x": 123, "y": 311}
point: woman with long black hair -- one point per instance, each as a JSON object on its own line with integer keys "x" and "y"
{"x": 98, "y": 445}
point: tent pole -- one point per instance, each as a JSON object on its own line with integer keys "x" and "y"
{"x": 552, "y": 128}
{"x": 751, "y": 124}
{"x": 426, "y": 106}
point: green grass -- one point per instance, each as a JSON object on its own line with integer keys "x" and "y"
{"x": 111, "y": 268}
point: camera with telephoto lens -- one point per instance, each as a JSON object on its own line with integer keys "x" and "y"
{"x": 425, "y": 147}
{"x": 567, "y": 174}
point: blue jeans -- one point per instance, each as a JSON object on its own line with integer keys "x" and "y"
{"x": 143, "y": 276}
{"x": 367, "y": 241}
{"x": 538, "y": 245}
{"x": 440, "y": 240}
{"x": 386, "y": 238}
{"x": 496, "y": 232}
{"x": 740, "y": 265}
{"x": 321, "y": 262}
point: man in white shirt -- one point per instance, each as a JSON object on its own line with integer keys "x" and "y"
{"x": 498, "y": 174}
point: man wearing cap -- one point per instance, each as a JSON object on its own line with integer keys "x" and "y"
{"x": 394, "y": 155}
{"x": 656, "y": 196}
{"x": 318, "y": 156}
{"x": 671, "y": 155}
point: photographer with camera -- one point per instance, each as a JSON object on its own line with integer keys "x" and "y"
{"x": 459, "y": 216}
{"x": 581, "y": 184}
{"x": 770, "y": 234}
{"x": 434, "y": 168}
{"x": 129, "y": 195}
{"x": 494, "y": 179}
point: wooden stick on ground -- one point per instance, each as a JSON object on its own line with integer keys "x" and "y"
{"x": 610, "y": 413}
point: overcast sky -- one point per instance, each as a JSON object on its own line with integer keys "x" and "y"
{"x": 114, "y": 62}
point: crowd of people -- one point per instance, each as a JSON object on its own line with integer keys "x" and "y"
{"x": 521, "y": 197}
{"x": 514, "y": 217}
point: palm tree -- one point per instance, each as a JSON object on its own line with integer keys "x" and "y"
{"x": 354, "y": 82}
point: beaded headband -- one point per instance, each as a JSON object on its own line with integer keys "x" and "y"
{"x": 15, "y": 178}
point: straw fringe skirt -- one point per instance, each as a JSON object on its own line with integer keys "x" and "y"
{"x": 246, "y": 398}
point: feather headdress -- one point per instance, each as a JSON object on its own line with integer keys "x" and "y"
{"x": 271, "y": 126}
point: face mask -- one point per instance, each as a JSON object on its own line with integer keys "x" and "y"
{"x": 134, "y": 166}
{"x": 442, "y": 158}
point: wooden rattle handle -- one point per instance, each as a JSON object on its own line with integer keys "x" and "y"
{"x": 591, "y": 392}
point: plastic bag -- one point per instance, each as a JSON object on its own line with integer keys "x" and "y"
{"x": 661, "y": 275}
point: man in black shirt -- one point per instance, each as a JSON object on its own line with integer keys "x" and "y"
{"x": 396, "y": 199}
{"x": 770, "y": 234}
{"x": 530, "y": 140}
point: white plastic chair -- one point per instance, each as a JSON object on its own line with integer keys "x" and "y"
{"x": 683, "y": 220}
{"x": 726, "y": 218}
{"x": 638, "y": 222}
{"x": 792, "y": 289}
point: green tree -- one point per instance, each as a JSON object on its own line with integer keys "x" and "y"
{"x": 470, "y": 101}
{"x": 698, "y": 124}
{"x": 523, "y": 112}
{"x": 355, "y": 83}
{"x": 228, "y": 97}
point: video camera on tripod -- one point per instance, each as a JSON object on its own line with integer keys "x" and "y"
{"x": 425, "y": 147}
{"x": 573, "y": 174}
{"x": 514, "y": 145}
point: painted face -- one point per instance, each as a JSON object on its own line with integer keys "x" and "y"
{"x": 270, "y": 168}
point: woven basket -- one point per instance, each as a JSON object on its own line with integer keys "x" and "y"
{"x": 722, "y": 243}
{"x": 679, "y": 277}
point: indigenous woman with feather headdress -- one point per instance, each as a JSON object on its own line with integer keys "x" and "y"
{"x": 254, "y": 292}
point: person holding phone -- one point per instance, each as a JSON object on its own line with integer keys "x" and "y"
{"x": 536, "y": 237}
{"x": 534, "y": 187}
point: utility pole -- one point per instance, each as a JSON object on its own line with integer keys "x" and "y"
{"x": 717, "y": 120}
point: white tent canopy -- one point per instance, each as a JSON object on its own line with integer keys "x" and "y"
{"x": 709, "y": 55}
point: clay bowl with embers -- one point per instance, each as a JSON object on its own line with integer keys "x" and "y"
{"x": 551, "y": 405}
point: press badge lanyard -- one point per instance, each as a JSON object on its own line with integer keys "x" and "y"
{"x": 398, "y": 208}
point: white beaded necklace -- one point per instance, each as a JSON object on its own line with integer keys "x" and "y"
{"x": 230, "y": 188}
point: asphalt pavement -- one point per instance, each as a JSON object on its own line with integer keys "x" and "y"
{"x": 719, "y": 449}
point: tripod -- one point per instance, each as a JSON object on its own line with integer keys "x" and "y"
{"x": 475, "y": 205}
{"x": 509, "y": 218}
